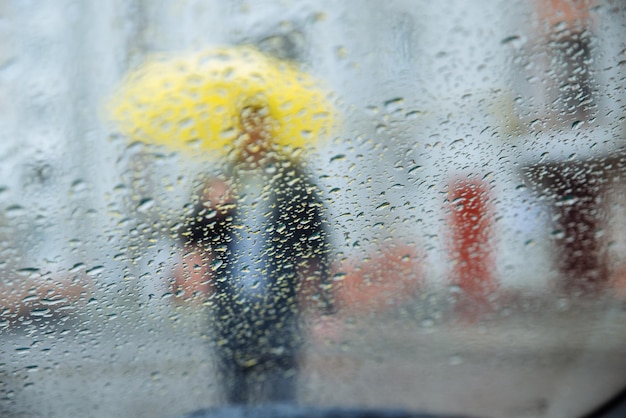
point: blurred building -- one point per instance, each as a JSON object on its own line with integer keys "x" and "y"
{"x": 430, "y": 94}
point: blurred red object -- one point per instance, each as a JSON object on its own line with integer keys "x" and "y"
{"x": 568, "y": 12}
{"x": 471, "y": 227}
{"x": 44, "y": 297}
{"x": 618, "y": 283}
{"x": 379, "y": 280}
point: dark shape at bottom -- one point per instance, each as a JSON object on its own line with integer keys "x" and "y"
{"x": 295, "y": 411}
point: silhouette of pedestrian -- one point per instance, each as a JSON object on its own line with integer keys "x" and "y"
{"x": 264, "y": 242}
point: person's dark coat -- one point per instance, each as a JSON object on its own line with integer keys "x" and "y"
{"x": 267, "y": 247}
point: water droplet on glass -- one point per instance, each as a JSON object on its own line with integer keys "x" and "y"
{"x": 78, "y": 186}
{"x": 558, "y": 234}
{"x": 15, "y": 211}
{"x": 509, "y": 39}
{"x": 215, "y": 264}
{"x": 28, "y": 271}
{"x": 186, "y": 123}
{"x": 145, "y": 204}
{"x": 95, "y": 270}
{"x": 393, "y": 104}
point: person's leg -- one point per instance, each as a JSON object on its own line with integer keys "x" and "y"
{"x": 284, "y": 380}
{"x": 232, "y": 379}
{"x": 277, "y": 380}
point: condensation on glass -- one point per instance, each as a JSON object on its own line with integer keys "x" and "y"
{"x": 472, "y": 190}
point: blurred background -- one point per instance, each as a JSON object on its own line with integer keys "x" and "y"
{"x": 475, "y": 190}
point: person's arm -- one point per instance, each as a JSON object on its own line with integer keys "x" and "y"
{"x": 326, "y": 325}
{"x": 315, "y": 269}
{"x": 193, "y": 275}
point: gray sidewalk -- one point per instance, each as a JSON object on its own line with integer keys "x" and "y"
{"x": 155, "y": 362}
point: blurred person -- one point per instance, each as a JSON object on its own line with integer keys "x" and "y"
{"x": 259, "y": 240}
{"x": 193, "y": 276}
{"x": 256, "y": 247}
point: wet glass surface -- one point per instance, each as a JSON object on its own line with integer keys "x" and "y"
{"x": 399, "y": 204}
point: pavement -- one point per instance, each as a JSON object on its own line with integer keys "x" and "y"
{"x": 126, "y": 359}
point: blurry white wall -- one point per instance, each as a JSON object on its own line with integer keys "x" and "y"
{"x": 426, "y": 91}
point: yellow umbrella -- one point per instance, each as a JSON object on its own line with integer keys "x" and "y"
{"x": 196, "y": 101}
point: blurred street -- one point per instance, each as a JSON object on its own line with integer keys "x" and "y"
{"x": 155, "y": 362}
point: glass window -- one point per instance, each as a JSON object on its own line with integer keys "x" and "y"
{"x": 377, "y": 206}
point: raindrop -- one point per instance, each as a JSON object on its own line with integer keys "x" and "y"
{"x": 372, "y": 110}
{"x": 27, "y": 271}
{"x": 393, "y": 104}
{"x": 510, "y": 39}
{"x": 215, "y": 264}
{"x": 77, "y": 267}
{"x": 558, "y": 234}
{"x": 78, "y": 186}
{"x": 228, "y": 133}
{"x": 30, "y": 298}
{"x": 413, "y": 114}
{"x": 41, "y": 312}
{"x": 53, "y": 302}
{"x": 338, "y": 157}
{"x": 95, "y": 270}
{"x": 414, "y": 169}
{"x": 568, "y": 201}
{"x": 193, "y": 142}
{"x": 145, "y": 204}
{"x": 459, "y": 141}
{"x": 15, "y": 211}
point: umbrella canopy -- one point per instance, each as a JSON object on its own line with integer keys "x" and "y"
{"x": 194, "y": 102}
